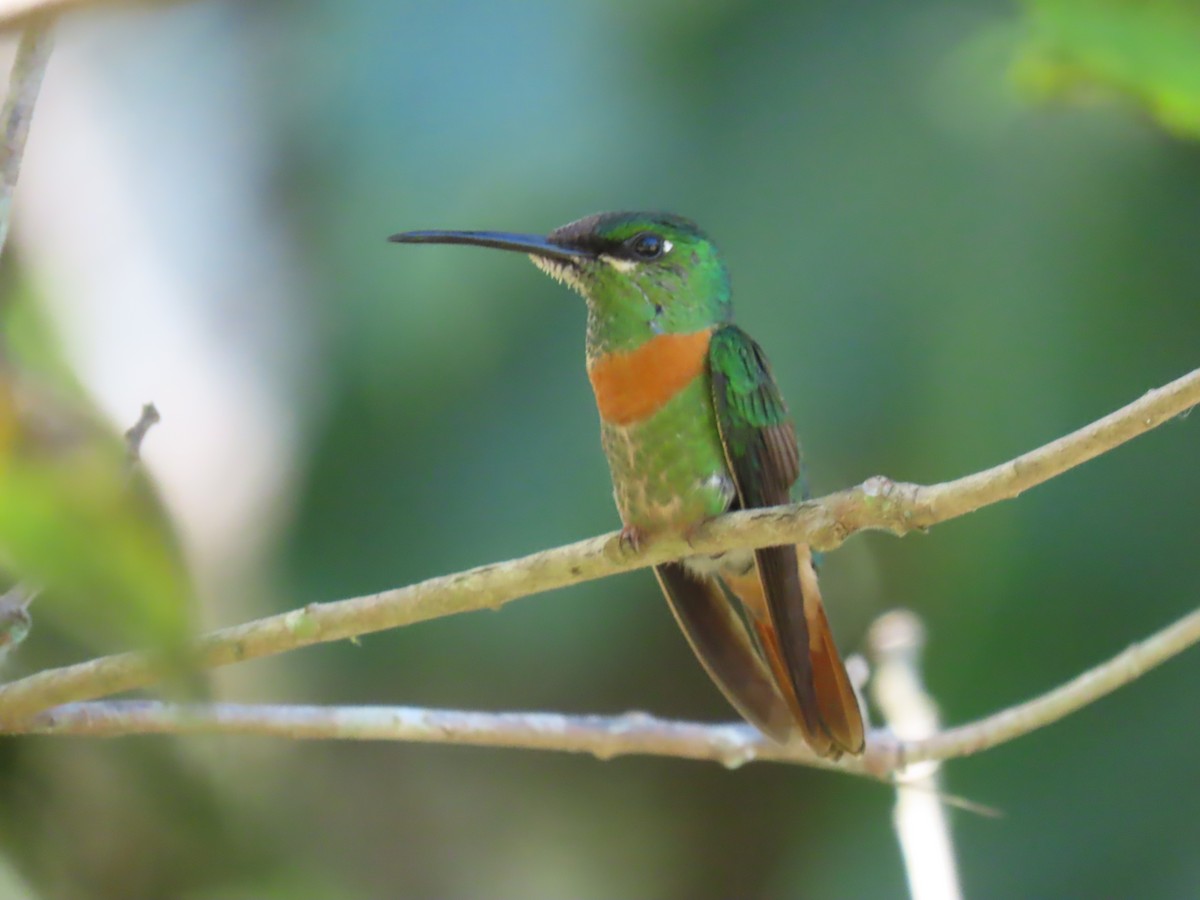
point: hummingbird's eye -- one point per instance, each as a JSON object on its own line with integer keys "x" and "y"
{"x": 648, "y": 245}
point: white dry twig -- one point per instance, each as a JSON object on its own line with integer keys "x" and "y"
{"x": 920, "y": 818}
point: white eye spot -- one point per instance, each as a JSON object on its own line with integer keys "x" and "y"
{"x": 667, "y": 245}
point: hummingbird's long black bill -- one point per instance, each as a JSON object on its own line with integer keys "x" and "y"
{"x": 522, "y": 243}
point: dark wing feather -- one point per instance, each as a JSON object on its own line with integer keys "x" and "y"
{"x": 764, "y": 460}
{"x": 760, "y": 443}
{"x": 722, "y": 644}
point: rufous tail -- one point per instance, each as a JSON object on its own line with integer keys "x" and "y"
{"x": 838, "y": 725}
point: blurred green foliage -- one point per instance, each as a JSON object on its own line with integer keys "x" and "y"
{"x": 943, "y": 275}
{"x": 1147, "y": 50}
{"x": 79, "y": 522}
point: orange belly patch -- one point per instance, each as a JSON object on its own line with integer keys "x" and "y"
{"x": 634, "y": 384}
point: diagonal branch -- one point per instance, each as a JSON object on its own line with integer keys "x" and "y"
{"x": 877, "y": 504}
{"x": 605, "y": 737}
{"x": 33, "y": 53}
{"x": 25, "y": 14}
{"x": 1001, "y": 727}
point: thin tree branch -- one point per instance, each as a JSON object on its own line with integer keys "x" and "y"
{"x": 136, "y": 433}
{"x": 896, "y": 641}
{"x": 23, "y": 85}
{"x": 1001, "y": 727}
{"x": 877, "y": 504}
{"x": 604, "y": 737}
{"x": 15, "y": 14}
{"x": 20, "y": 14}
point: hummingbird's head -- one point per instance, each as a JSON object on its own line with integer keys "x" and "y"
{"x": 649, "y": 252}
{"x": 642, "y": 273}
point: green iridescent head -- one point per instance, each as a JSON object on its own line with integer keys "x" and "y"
{"x": 642, "y": 273}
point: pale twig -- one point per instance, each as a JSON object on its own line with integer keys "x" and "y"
{"x": 896, "y": 641}
{"x": 137, "y": 433}
{"x": 23, "y": 13}
{"x": 1001, "y": 727}
{"x": 605, "y": 737}
{"x": 602, "y": 736}
{"x": 23, "y": 85}
{"x": 878, "y": 504}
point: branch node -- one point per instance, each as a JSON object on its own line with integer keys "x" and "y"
{"x": 137, "y": 432}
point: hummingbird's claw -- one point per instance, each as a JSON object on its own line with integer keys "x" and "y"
{"x": 631, "y": 538}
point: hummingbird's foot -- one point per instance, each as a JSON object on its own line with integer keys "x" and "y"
{"x": 631, "y": 538}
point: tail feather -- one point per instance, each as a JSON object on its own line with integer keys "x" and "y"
{"x": 835, "y": 695}
{"x": 721, "y": 643}
{"x": 819, "y": 693}
{"x": 815, "y": 735}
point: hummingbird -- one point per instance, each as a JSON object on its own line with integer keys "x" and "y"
{"x": 693, "y": 425}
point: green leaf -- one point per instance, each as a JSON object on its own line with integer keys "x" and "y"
{"x": 1147, "y": 51}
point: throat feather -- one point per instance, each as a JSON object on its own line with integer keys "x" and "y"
{"x": 632, "y": 385}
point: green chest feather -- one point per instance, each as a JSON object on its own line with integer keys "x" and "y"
{"x": 669, "y": 470}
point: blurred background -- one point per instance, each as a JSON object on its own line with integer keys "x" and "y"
{"x": 959, "y": 229}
